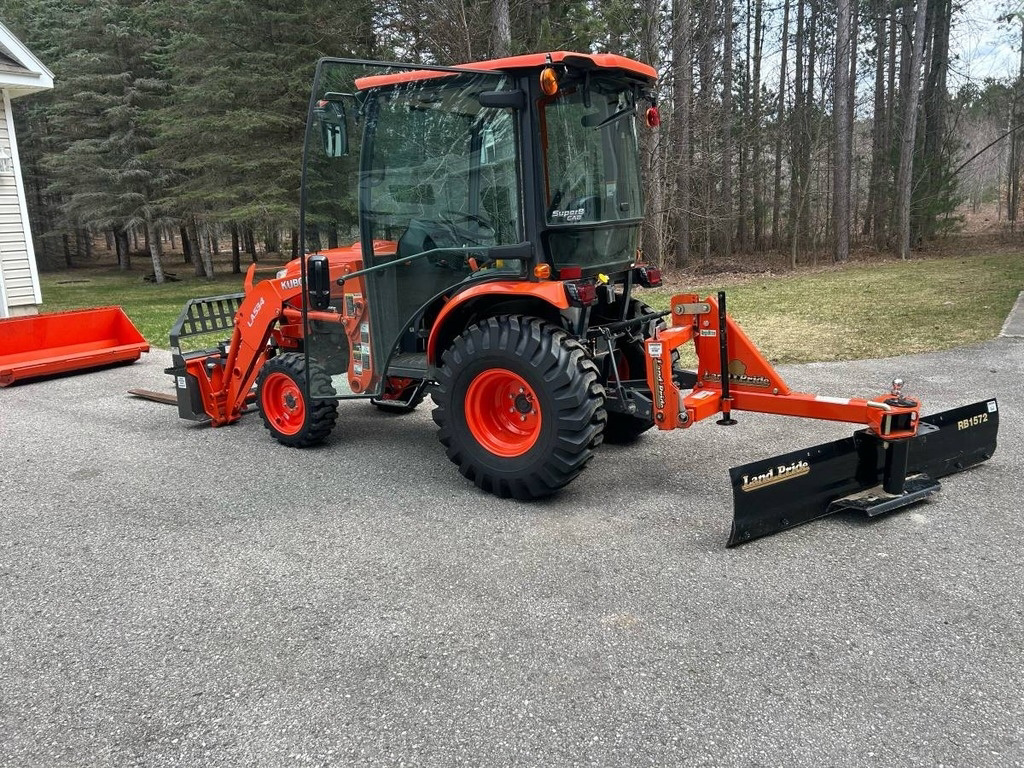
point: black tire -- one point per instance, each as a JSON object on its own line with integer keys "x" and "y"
{"x": 622, "y": 428}
{"x": 291, "y": 416}
{"x": 396, "y": 400}
{"x": 564, "y": 392}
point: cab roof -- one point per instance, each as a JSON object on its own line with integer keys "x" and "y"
{"x": 609, "y": 62}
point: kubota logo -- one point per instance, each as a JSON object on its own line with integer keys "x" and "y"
{"x": 295, "y": 282}
{"x": 255, "y": 311}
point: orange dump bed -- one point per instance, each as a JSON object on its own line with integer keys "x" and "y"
{"x": 62, "y": 342}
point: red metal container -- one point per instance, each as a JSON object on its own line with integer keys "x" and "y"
{"x": 63, "y": 342}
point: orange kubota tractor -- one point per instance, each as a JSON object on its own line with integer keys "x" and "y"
{"x": 495, "y": 210}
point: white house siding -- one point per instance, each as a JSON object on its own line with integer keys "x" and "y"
{"x": 19, "y": 283}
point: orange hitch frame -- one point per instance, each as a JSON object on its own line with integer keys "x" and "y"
{"x": 751, "y": 383}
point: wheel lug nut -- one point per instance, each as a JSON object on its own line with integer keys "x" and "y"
{"x": 522, "y": 418}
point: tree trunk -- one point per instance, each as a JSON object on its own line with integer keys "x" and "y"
{"x": 250, "y": 244}
{"x": 727, "y": 132}
{"x": 236, "y": 252}
{"x": 758, "y": 185}
{"x": 295, "y": 244}
{"x": 743, "y": 140}
{"x": 682, "y": 55}
{"x": 706, "y": 68}
{"x": 650, "y": 145}
{"x": 186, "y": 243}
{"x": 906, "y": 174}
{"x": 205, "y": 237}
{"x": 780, "y": 122}
{"x": 68, "y": 259}
{"x": 197, "y": 248}
{"x": 934, "y": 186}
{"x": 884, "y": 218}
{"x": 796, "y": 181}
{"x": 843, "y": 96}
{"x": 154, "y": 252}
{"x": 124, "y": 255}
{"x": 878, "y": 150}
{"x": 501, "y": 29}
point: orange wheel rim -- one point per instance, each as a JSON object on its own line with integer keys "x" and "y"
{"x": 283, "y": 404}
{"x": 502, "y": 412}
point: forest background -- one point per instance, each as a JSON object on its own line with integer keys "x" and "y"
{"x": 791, "y": 127}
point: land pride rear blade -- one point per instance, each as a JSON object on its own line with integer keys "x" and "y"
{"x": 775, "y": 494}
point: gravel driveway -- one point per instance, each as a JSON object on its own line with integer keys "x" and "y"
{"x": 179, "y": 595}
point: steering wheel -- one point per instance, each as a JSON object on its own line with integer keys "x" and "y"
{"x": 484, "y": 230}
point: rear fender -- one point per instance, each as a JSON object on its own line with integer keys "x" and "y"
{"x": 544, "y": 299}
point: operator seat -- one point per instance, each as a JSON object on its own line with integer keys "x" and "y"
{"x": 424, "y": 278}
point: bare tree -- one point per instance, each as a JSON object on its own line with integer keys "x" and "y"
{"x": 905, "y": 178}
{"x": 682, "y": 96}
{"x": 501, "y": 29}
{"x": 843, "y": 97}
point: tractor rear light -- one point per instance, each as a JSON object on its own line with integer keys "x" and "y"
{"x": 581, "y": 292}
{"x": 648, "y": 277}
{"x": 570, "y": 273}
{"x": 653, "y": 117}
{"x": 542, "y": 271}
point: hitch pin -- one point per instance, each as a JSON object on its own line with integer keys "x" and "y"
{"x": 879, "y": 406}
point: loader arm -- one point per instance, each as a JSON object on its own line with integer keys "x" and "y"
{"x": 216, "y": 384}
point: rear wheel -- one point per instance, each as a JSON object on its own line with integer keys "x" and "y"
{"x": 292, "y": 417}
{"x": 519, "y": 406}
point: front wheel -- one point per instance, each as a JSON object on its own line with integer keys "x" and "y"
{"x": 293, "y": 418}
{"x": 520, "y": 408}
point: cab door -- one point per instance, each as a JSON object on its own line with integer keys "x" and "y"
{"x": 426, "y": 179}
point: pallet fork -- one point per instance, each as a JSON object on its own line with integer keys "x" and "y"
{"x": 895, "y": 461}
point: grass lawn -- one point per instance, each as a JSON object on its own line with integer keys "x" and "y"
{"x": 153, "y": 308}
{"x": 871, "y": 309}
{"x": 861, "y": 310}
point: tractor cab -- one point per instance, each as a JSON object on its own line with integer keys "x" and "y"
{"x": 432, "y": 195}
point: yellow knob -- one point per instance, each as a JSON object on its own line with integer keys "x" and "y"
{"x": 602, "y": 278}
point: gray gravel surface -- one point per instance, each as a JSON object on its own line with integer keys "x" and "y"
{"x": 172, "y": 594}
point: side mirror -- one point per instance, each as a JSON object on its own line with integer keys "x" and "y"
{"x": 333, "y": 125}
{"x": 318, "y": 278}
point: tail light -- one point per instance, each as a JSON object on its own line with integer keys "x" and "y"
{"x": 648, "y": 277}
{"x": 581, "y": 292}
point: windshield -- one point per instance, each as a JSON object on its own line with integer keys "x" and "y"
{"x": 592, "y": 173}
